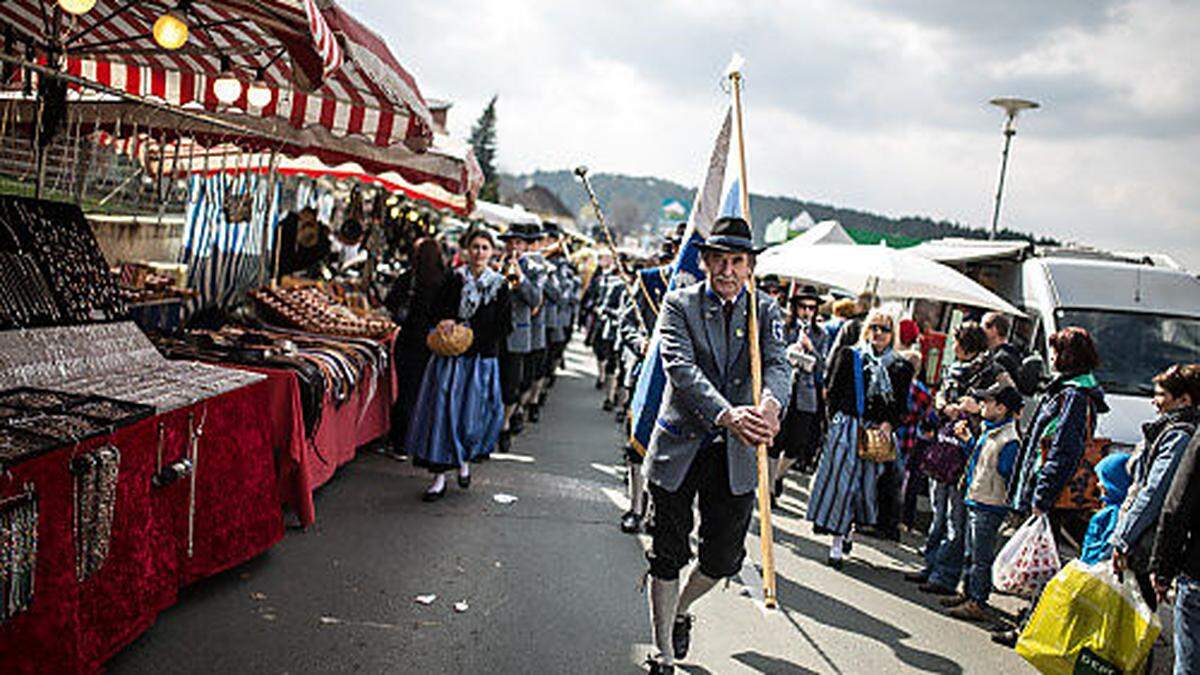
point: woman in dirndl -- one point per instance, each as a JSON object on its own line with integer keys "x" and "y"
{"x": 459, "y": 411}
{"x": 868, "y": 387}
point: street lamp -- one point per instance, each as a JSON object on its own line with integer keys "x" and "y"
{"x": 1011, "y": 107}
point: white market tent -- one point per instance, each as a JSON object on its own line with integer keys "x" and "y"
{"x": 889, "y": 273}
{"x": 958, "y": 250}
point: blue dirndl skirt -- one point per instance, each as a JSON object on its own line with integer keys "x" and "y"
{"x": 458, "y": 414}
{"x": 844, "y": 487}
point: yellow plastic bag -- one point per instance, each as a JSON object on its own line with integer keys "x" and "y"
{"x": 1087, "y": 621}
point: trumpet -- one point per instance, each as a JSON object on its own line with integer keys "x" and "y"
{"x": 512, "y": 270}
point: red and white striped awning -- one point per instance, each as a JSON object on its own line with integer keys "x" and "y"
{"x": 329, "y": 75}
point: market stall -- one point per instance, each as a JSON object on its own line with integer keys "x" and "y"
{"x": 124, "y": 474}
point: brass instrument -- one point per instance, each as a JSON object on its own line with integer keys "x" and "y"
{"x": 512, "y": 270}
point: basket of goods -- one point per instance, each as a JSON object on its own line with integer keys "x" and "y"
{"x": 451, "y": 342}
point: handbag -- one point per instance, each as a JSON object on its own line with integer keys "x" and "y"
{"x": 944, "y": 459}
{"x": 874, "y": 444}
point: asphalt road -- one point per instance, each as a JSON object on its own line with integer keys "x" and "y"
{"x": 550, "y": 583}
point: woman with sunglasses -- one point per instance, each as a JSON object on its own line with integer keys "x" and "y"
{"x": 799, "y": 438}
{"x": 868, "y": 388}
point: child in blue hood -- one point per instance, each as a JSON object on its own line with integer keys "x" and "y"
{"x": 1115, "y": 480}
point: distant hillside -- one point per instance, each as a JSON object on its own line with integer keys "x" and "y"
{"x": 630, "y": 201}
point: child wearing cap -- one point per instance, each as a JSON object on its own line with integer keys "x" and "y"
{"x": 994, "y": 452}
{"x": 1113, "y": 472}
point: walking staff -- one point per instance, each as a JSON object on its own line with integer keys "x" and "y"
{"x": 705, "y": 439}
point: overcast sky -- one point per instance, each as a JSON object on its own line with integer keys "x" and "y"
{"x": 871, "y": 104}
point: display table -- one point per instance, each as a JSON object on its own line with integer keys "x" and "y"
{"x": 74, "y": 626}
{"x": 305, "y": 464}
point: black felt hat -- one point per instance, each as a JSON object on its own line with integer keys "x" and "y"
{"x": 526, "y": 231}
{"x": 731, "y": 235}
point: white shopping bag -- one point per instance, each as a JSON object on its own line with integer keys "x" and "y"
{"x": 1028, "y": 561}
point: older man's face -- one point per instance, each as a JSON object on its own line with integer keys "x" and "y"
{"x": 728, "y": 272}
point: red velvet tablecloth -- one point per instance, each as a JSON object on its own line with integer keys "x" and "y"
{"x": 75, "y": 626}
{"x": 307, "y": 463}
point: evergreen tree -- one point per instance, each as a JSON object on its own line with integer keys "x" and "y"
{"x": 483, "y": 142}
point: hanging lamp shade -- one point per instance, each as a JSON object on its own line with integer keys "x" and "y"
{"x": 170, "y": 30}
{"x": 77, "y": 7}
{"x": 258, "y": 94}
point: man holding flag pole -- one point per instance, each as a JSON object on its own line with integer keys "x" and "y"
{"x": 719, "y": 357}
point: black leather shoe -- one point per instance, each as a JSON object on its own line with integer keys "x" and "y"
{"x": 847, "y": 546}
{"x": 835, "y": 563}
{"x": 433, "y": 496}
{"x": 1008, "y": 638}
{"x": 607, "y": 406}
{"x": 535, "y": 414}
{"x": 517, "y": 424}
{"x": 631, "y": 523}
{"x": 505, "y": 443}
{"x": 777, "y": 489}
{"x": 681, "y": 635}
{"x": 464, "y": 482}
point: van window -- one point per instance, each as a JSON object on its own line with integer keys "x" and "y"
{"x": 1135, "y": 347}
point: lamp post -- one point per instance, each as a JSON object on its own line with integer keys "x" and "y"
{"x": 1011, "y": 107}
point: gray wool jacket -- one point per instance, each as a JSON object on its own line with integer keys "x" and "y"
{"x": 708, "y": 371}
{"x": 526, "y": 296}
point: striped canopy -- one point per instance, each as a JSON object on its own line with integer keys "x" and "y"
{"x": 330, "y": 77}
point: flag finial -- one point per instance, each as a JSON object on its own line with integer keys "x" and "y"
{"x": 736, "y": 63}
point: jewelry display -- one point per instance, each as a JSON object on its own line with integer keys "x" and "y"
{"x": 40, "y": 420}
{"x": 55, "y": 271}
{"x": 17, "y": 445}
{"x": 195, "y": 431}
{"x": 96, "y": 475}
{"x": 18, "y": 552}
{"x": 25, "y": 298}
{"x": 114, "y": 361}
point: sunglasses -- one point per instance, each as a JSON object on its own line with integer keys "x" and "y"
{"x": 808, "y": 308}
{"x": 880, "y": 328}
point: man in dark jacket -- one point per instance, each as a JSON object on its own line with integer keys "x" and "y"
{"x": 1002, "y": 352}
{"x": 1176, "y": 555}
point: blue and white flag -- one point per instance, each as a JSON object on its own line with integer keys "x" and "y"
{"x": 685, "y": 270}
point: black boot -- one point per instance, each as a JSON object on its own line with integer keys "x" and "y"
{"x": 516, "y": 424}
{"x": 505, "y": 443}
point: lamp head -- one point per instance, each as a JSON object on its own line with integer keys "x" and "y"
{"x": 1013, "y": 105}
{"x": 581, "y": 171}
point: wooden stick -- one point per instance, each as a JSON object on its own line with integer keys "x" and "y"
{"x": 766, "y": 533}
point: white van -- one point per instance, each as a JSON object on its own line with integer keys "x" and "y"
{"x": 1143, "y": 317}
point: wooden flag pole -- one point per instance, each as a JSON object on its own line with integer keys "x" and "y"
{"x": 766, "y": 533}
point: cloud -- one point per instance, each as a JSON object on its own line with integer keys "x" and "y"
{"x": 873, "y": 104}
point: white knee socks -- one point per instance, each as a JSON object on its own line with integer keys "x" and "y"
{"x": 637, "y": 488}
{"x": 664, "y": 597}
